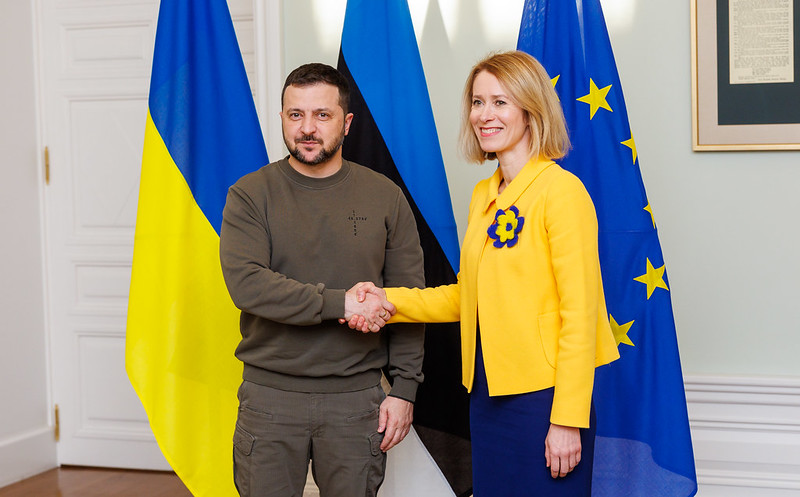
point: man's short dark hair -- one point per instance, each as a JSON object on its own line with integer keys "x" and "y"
{"x": 315, "y": 73}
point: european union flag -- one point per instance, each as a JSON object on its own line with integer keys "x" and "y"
{"x": 643, "y": 443}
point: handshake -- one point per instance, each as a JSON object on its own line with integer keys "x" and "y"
{"x": 366, "y": 308}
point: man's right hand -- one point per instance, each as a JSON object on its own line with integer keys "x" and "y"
{"x": 366, "y": 311}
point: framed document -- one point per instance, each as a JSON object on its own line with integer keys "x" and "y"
{"x": 745, "y": 75}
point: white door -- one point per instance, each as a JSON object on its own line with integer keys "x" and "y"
{"x": 95, "y": 68}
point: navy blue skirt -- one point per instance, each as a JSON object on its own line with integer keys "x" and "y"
{"x": 508, "y": 435}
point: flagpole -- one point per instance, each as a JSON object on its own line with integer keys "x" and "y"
{"x": 269, "y": 60}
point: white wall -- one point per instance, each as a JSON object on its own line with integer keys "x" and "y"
{"x": 26, "y": 439}
{"x": 727, "y": 220}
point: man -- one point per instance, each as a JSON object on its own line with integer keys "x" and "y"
{"x": 295, "y": 233}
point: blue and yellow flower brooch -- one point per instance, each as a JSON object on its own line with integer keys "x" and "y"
{"x": 506, "y": 227}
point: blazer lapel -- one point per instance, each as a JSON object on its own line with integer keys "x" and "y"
{"x": 524, "y": 179}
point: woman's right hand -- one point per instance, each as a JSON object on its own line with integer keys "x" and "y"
{"x": 359, "y": 322}
{"x": 365, "y": 287}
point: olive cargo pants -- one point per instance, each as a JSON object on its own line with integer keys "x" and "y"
{"x": 278, "y": 432}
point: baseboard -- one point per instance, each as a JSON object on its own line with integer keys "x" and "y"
{"x": 27, "y": 454}
{"x": 746, "y": 435}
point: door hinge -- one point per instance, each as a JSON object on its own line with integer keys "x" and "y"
{"x": 47, "y": 176}
{"x": 57, "y": 433}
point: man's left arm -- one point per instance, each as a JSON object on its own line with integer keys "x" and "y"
{"x": 403, "y": 267}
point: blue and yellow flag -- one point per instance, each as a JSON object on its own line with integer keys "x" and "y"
{"x": 201, "y": 135}
{"x": 394, "y": 133}
{"x": 643, "y": 442}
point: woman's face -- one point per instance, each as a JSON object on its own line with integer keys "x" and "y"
{"x": 500, "y": 125}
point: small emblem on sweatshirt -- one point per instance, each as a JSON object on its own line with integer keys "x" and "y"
{"x": 356, "y": 219}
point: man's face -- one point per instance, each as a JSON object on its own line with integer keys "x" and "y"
{"x": 314, "y": 124}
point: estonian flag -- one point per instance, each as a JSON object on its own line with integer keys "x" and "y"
{"x": 201, "y": 135}
{"x": 643, "y": 443}
{"x": 393, "y": 132}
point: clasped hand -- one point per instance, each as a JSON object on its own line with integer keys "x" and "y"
{"x": 366, "y": 308}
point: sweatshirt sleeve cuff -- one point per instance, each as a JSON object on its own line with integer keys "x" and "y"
{"x": 332, "y": 304}
{"x": 404, "y": 389}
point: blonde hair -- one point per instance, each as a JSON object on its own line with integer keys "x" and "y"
{"x": 529, "y": 87}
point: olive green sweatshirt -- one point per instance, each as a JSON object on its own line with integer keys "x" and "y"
{"x": 290, "y": 246}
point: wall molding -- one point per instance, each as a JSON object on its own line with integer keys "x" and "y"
{"x": 745, "y": 433}
{"x": 26, "y": 454}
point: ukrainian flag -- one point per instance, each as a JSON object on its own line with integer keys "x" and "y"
{"x": 201, "y": 135}
{"x": 643, "y": 444}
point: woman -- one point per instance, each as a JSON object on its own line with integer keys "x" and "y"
{"x": 529, "y": 294}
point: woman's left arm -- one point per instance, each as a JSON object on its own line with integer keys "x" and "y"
{"x": 572, "y": 233}
{"x": 571, "y": 225}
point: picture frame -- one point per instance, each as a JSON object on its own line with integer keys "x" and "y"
{"x": 729, "y": 114}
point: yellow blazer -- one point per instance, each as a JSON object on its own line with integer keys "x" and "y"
{"x": 540, "y": 302}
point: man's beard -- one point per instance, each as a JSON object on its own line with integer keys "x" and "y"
{"x": 322, "y": 156}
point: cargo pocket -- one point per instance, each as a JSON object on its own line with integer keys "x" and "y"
{"x": 242, "y": 447}
{"x": 377, "y": 465}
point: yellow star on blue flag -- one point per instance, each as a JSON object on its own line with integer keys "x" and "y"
{"x": 650, "y": 210}
{"x": 620, "y": 331}
{"x": 596, "y": 98}
{"x": 653, "y": 278}
{"x": 631, "y": 145}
